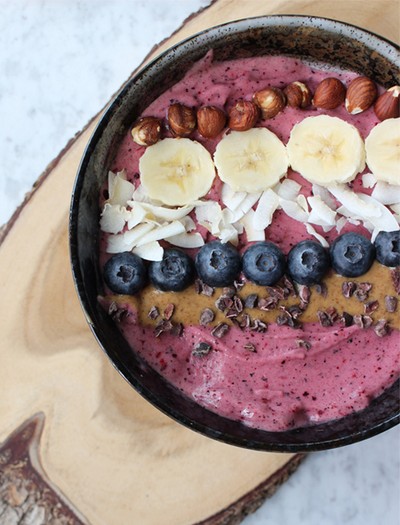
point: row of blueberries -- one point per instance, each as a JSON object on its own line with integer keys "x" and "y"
{"x": 263, "y": 263}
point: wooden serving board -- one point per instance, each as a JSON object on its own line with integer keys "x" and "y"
{"x": 77, "y": 444}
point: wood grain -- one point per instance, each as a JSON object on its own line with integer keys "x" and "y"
{"x": 116, "y": 458}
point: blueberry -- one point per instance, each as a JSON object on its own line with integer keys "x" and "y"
{"x": 125, "y": 273}
{"x": 387, "y": 245}
{"x": 264, "y": 263}
{"x": 308, "y": 262}
{"x": 352, "y": 254}
{"x": 218, "y": 264}
{"x": 173, "y": 273}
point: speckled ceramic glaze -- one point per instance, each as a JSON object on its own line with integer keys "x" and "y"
{"x": 312, "y": 39}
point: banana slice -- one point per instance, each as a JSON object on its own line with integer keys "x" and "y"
{"x": 252, "y": 160}
{"x": 382, "y": 147}
{"x": 176, "y": 171}
{"x": 326, "y": 150}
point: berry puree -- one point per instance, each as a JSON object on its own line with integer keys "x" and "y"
{"x": 289, "y": 355}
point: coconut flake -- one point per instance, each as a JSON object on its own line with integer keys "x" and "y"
{"x": 293, "y": 210}
{"x": 163, "y": 213}
{"x": 322, "y": 192}
{"x": 232, "y": 199}
{"x": 353, "y": 201}
{"x": 321, "y": 214}
{"x": 188, "y": 223}
{"x": 229, "y": 234}
{"x": 368, "y": 180}
{"x": 128, "y": 240}
{"x": 209, "y": 215}
{"x": 187, "y": 240}
{"x": 151, "y": 251}
{"x": 245, "y": 205}
{"x": 251, "y": 233}
{"x": 119, "y": 189}
{"x": 340, "y": 224}
{"x": 310, "y": 229}
{"x": 162, "y": 232}
{"x": 385, "y": 222}
{"x": 113, "y": 218}
{"x": 386, "y": 193}
{"x": 136, "y": 214}
{"x": 288, "y": 189}
{"x": 268, "y": 203}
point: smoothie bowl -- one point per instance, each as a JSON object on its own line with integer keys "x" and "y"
{"x": 234, "y": 233}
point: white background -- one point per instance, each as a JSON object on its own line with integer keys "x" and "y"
{"x": 60, "y": 62}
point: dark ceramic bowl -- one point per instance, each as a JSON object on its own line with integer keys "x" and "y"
{"x": 308, "y": 38}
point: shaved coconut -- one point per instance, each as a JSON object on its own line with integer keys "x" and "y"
{"x": 302, "y": 202}
{"x": 187, "y": 240}
{"x": 119, "y": 189}
{"x": 385, "y": 222}
{"x": 151, "y": 251}
{"x": 293, "y": 210}
{"x": 368, "y": 180}
{"x": 231, "y": 198}
{"x": 188, "y": 223}
{"x": 395, "y": 208}
{"x": 386, "y": 193}
{"x": 209, "y": 215}
{"x": 340, "y": 224}
{"x": 322, "y": 192}
{"x": 136, "y": 215}
{"x": 118, "y": 244}
{"x": 162, "y": 232}
{"x": 245, "y": 205}
{"x": 251, "y": 233}
{"x": 353, "y": 202}
{"x": 288, "y": 189}
{"x": 229, "y": 234}
{"x": 227, "y": 217}
{"x": 268, "y": 203}
{"x": 321, "y": 213}
{"x": 238, "y": 227}
{"x": 319, "y": 237}
{"x": 132, "y": 236}
{"x": 113, "y": 218}
{"x": 161, "y": 212}
{"x": 140, "y": 195}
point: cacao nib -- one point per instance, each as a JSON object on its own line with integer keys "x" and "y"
{"x": 245, "y": 321}
{"x": 238, "y": 285}
{"x": 332, "y": 314}
{"x": 231, "y": 313}
{"x": 224, "y": 302}
{"x": 153, "y": 313}
{"x": 162, "y": 326}
{"x": 348, "y": 288}
{"x": 362, "y": 321}
{"x": 238, "y": 304}
{"x": 391, "y": 303}
{"x": 267, "y": 303}
{"x": 301, "y": 343}
{"x": 371, "y": 306}
{"x": 177, "y": 329}
{"x": 169, "y": 311}
{"x": 289, "y": 285}
{"x": 362, "y": 291}
{"x": 382, "y": 328}
{"x": 203, "y": 288}
{"x": 367, "y": 320}
{"x": 304, "y": 294}
{"x": 276, "y": 292}
{"x": 250, "y": 347}
{"x": 207, "y": 316}
{"x": 395, "y": 273}
{"x": 346, "y": 319}
{"x": 294, "y": 311}
{"x": 117, "y": 313}
{"x": 324, "y": 319}
{"x": 201, "y": 349}
{"x": 229, "y": 291}
{"x": 251, "y": 301}
{"x": 258, "y": 326}
{"x": 220, "y": 330}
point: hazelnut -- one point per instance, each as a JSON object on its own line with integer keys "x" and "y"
{"x": 243, "y": 115}
{"x": 298, "y": 95}
{"x": 387, "y": 105}
{"x": 146, "y": 131}
{"x": 330, "y": 93}
{"x": 270, "y": 100}
{"x": 210, "y": 121}
{"x": 181, "y": 119}
{"x": 360, "y": 95}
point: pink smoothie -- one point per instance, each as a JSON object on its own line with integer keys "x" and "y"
{"x": 283, "y": 384}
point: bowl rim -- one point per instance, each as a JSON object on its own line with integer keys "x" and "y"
{"x": 321, "y": 23}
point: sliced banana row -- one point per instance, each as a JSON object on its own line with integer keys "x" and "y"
{"x": 325, "y": 150}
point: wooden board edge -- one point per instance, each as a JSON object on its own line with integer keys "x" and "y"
{"x": 250, "y": 502}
